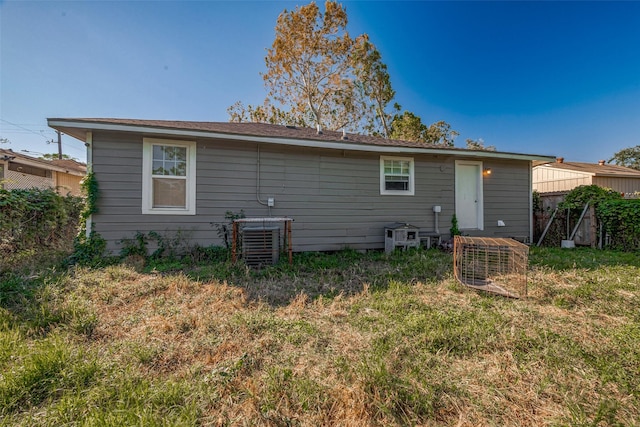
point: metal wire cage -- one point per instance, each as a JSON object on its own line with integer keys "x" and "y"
{"x": 495, "y": 265}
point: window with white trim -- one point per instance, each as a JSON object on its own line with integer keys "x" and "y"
{"x": 169, "y": 177}
{"x": 396, "y": 175}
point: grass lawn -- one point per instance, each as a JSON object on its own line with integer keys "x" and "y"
{"x": 341, "y": 339}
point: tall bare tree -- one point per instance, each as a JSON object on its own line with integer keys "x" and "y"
{"x": 308, "y": 66}
{"x": 374, "y": 83}
{"x": 317, "y": 74}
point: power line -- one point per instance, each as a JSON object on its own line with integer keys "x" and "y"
{"x": 30, "y": 124}
{"x": 41, "y": 132}
{"x": 24, "y": 128}
{"x": 20, "y": 131}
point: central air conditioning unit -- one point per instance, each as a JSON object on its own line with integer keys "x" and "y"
{"x": 260, "y": 245}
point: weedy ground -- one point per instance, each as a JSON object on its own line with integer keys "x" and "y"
{"x": 334, "y": 339}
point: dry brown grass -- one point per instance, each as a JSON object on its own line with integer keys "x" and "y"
{"x": 289, "y": 370}
{"x": 408, "y": 353}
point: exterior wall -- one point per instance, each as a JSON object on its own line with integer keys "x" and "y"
{"x": 507, "y": 195}
{"x": 333, "y": 196}
{"x": 621, "y": 185}
{"x": 549, "y": 180}
{"x": 68, "y": 184}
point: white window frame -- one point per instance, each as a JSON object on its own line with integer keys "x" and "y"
{"x": 411, "y": 190}
{"x": 147, "y": 177}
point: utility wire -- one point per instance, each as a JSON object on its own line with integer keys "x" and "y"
{"x": 24, "y": 128}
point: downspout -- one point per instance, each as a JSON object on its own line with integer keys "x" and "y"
{"x": 89, "y": 144}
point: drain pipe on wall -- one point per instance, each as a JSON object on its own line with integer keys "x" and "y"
{"x": 268, "y": 203}
{"x": 436, "y": 211}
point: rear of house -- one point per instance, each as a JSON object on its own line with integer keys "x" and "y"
{"x": 340, "y": 190}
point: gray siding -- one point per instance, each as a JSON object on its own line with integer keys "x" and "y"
{"x": 333, "y": 196}
{"x": 507, "y": 193}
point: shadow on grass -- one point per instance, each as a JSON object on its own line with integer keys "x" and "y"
{"x": 316, "y": 274}
{"x": 313, "y": 274}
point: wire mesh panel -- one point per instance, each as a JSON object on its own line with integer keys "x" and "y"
{"x": 495, "y": 265}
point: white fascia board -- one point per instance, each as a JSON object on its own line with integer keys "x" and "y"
{"x": 294, "y": 142}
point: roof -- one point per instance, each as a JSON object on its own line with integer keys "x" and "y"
{"x": 269, "y": 133}
{"x": 65, "y": 165}
{"x": 595, "y": 169}
{"x": 70, "y": 164}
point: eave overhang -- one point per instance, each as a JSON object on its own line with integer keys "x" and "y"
{"x": 78, "y": 129}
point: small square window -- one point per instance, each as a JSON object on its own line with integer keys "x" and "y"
{"x": 396, "y": 176}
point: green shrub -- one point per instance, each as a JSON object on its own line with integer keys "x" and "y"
{"x": 88, "y": 250}
{"x": 594, "y": 194}
{"x": 536, "y": 202}
{"x": 36, "y": 219}
{"x": 621, "y": 221}
{"x": 454, "y": 230}
{"x": 137, "y": 246}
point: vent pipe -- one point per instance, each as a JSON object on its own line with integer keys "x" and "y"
{"x": 601, "y": 162}
{"x": 560, "y": 160}
{"x": 319, "y": 129}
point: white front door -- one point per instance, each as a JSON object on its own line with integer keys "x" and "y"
{"x": 469, "y": 203}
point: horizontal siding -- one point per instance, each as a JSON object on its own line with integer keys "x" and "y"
{"x": 507, "y": 198}
{"x": 333, "y": 196}
{"x": 621, "y": 185}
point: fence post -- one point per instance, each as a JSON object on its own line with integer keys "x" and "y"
{"x": 594, "y": 228}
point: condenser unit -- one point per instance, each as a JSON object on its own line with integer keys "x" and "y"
{"x": 260, "y": 245}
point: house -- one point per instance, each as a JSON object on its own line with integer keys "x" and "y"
{"x": 21, "y": 171}
{"x": 340, "y": 189}
{"x": 562, "y": 177}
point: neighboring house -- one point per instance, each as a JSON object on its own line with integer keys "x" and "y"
{"x": 340, "y": 189}
{"x": 564, "y": 176}
{"x": 20, "y": 171}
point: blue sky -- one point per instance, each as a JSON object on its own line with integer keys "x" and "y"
{"x": 556, "y": 78}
